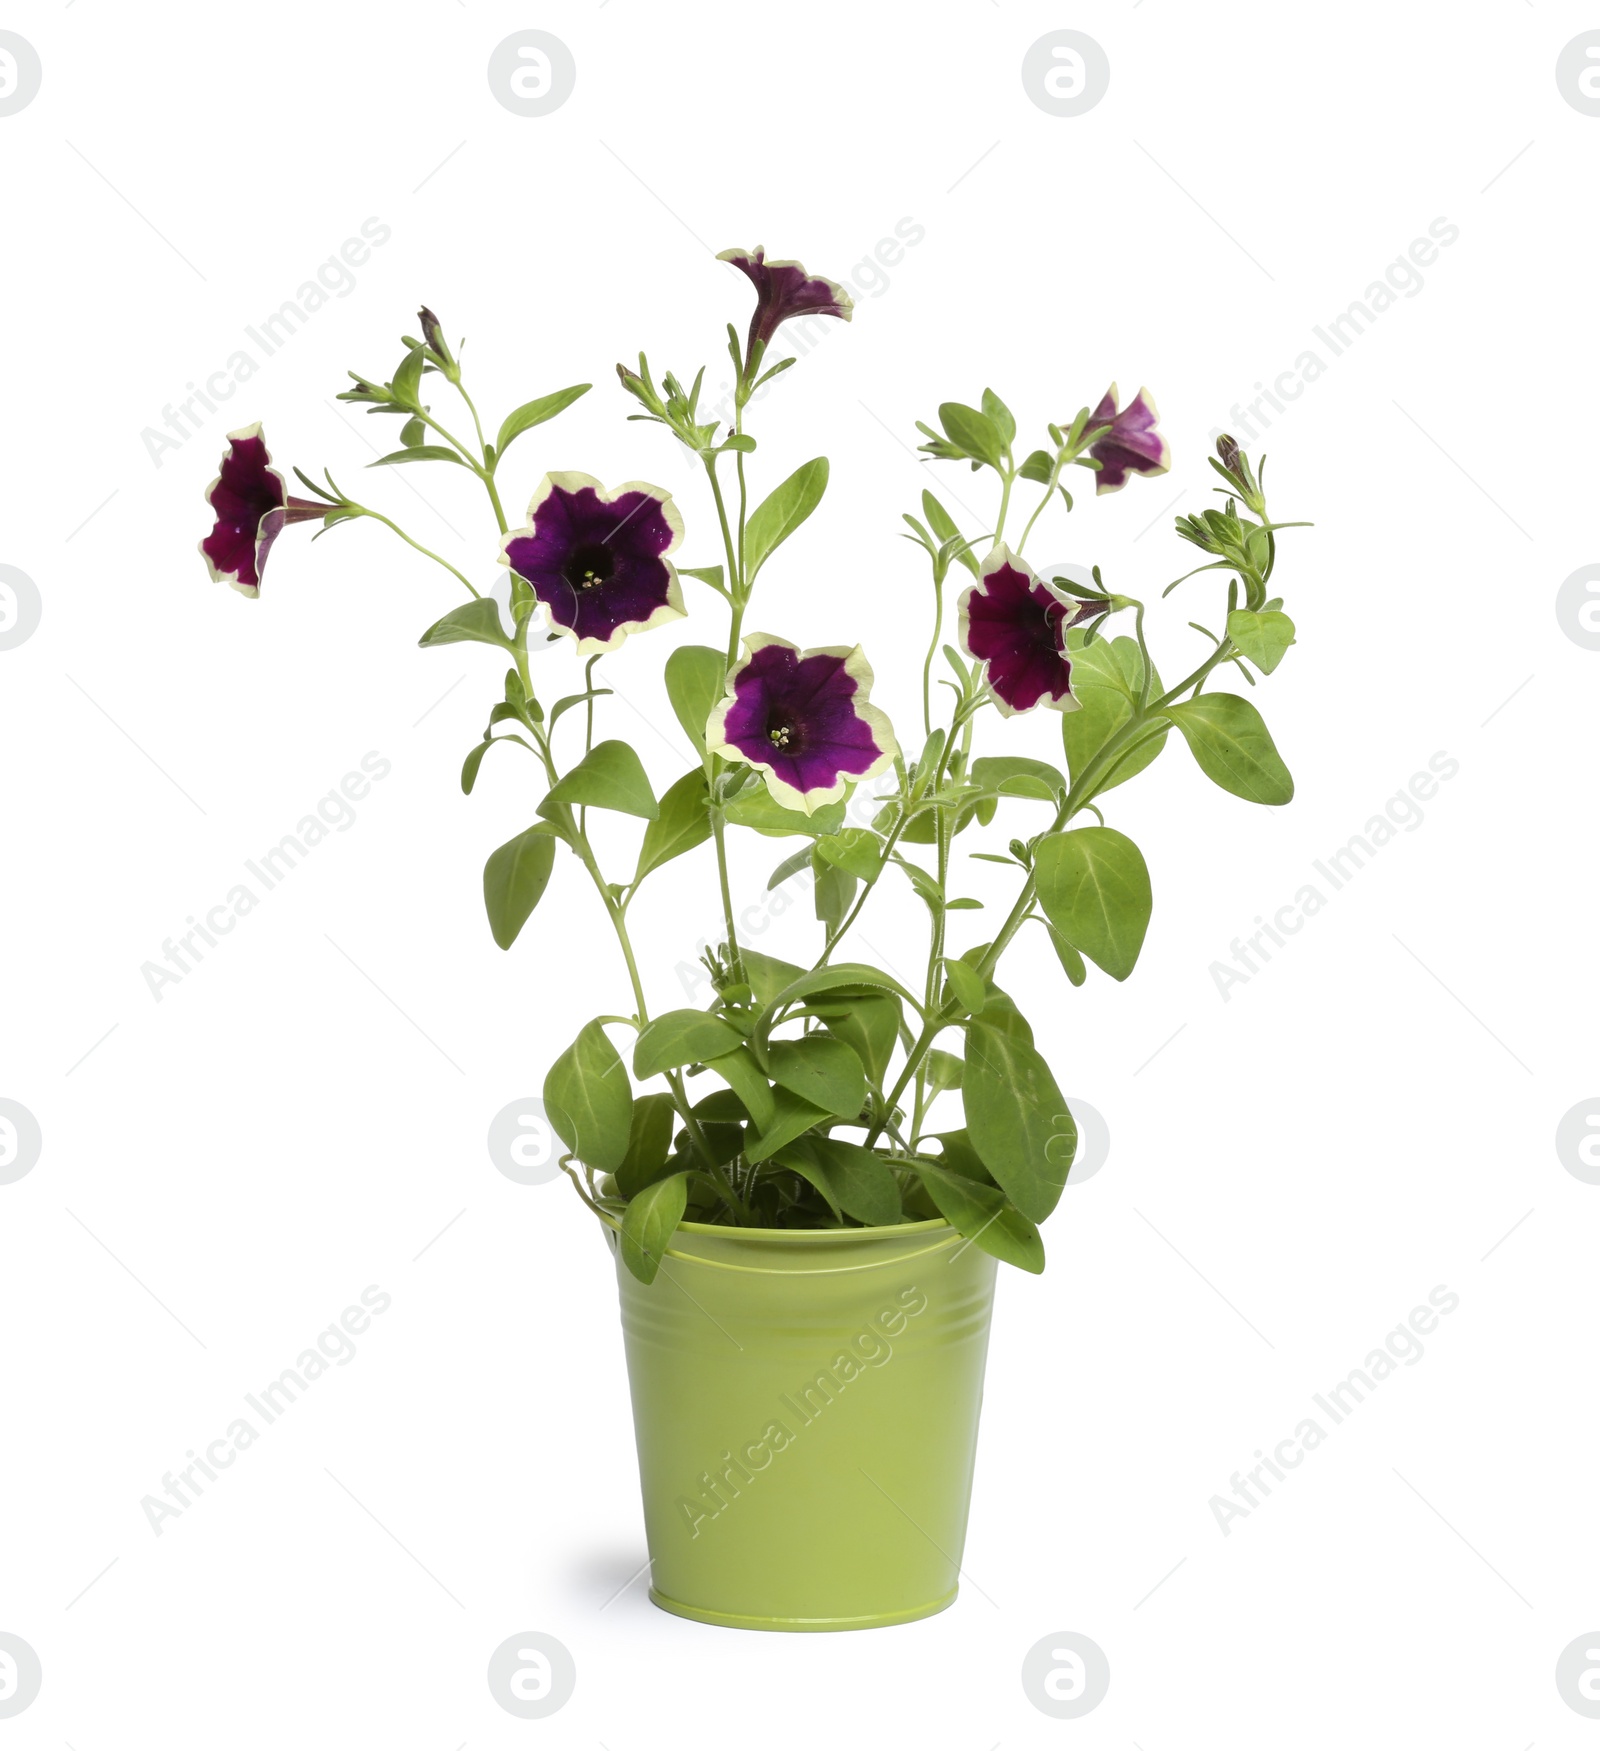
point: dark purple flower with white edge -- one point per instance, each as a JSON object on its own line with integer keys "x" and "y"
{"x": 252, "y": 504}
{"x": 802, "y": 719}
{"x": 1132, "y": 446}
{"x": 1015, "y": 624}
{"x": 597, "y": 560}
{"x": 783, "y": 289}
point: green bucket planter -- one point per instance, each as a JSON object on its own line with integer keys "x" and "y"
{"x": 805, "y": 1404}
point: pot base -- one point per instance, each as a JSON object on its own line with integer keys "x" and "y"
{"x": 735, "y": 1620}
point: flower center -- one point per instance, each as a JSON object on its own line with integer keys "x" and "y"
{"x": 782, "y": 735}
{"x": 588, "y": 567}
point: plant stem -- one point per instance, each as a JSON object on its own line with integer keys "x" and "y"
{"x": 389, "y": 523}
{"x": 486, "y": 471}
{"x": 1090, "y": 782}
{"x": 933, "y": 646}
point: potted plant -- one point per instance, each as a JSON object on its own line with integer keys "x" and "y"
{"x": 806, "y": 1258}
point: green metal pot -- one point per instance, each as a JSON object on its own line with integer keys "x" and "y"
{"x": 805, "y": 1404}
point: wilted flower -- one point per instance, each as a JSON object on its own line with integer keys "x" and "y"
{"x": 1015, "y": 624}
{"x": 802, "y": 719}
{"x": 1132, "y": 446}
{"x": 783, "y": 289}
{"x": 252, "y": 505}
{"x": 597, "y": 560}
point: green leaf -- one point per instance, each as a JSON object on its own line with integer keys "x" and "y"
{"x": 853, "y": 1179}
{"x": 696, "y": 677}
{"x": 419, "y": 453}
{"x": 783, "y": 510}
{"x": 649, "y": 1143}
{"x": 973, "y": 434}
{"x": 944, "y": 1072}
{"x": 474, "y": 759}
{"x": 944, "y": 526}
{"x": 648, "y": 1224}
{"x": 983, "y": 1215}
{"x": 1095, "y": 889}
{"x": 854, "y": 849}
{"x": 791, "y": 866}
{"x": 514, "y": 881}
{"x": 822, "y": 1070}
{"x": 1037, "y": 466}
{"x": 408, "y": 378}
{"x": 967, "y": 987}
{"x": 1231, "y": 746}
{"x": 755, "y": 808}
{"x": 683, "y": 823}
{"x": 1016, "y": 1118}
{"x": 413, "y": 433}
{"x": 845, "y": 975}
{"x": 589, "y": 1102}
{"x": 1105, "y": 677}
{"x": 707, "y": 574}
{"x": 1013, "y": 775}
{"x": 682, "y": 1036}
{"x": 792, "y": 1117}
{"x": 744, "y": 1076}
{"x": 767, "y": 974}
{"x": 833, "y": 891}
{"x": 870, "y": 1027}
{"x": 1263, "y": 637}
{"x": 474, "y": 622}
{"x": 609, "y": 776}
{"x": 1000, "y": 416}
{"x": 535, "y": 413}
{"x": 1071, "y": 961}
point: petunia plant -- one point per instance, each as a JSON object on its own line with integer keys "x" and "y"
{"x": 803, "y": 1095}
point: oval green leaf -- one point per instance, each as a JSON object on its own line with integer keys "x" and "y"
{"x": 648, "y": 1224}
{"x": 821, "y": 1070}
{"x": 682, "y": 1036}
{"x": 783, "y": 510}
{"x": 609, "y": 776}
{"x": 696, "y": 676}
{"x": 514, "y": 880}
{"x": 1231, "y": 746}
{"x": 589, "y": 1102}
{"x": 1095, "y": 890}
{"x": 983, "y": 1215}
{"x": 683, "y": 823}
{"x": 474, "y": 622}
{"x": 1017, "y": 1119}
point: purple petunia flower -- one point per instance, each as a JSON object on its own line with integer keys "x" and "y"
{"x": 1132, "y": 446}
{"x": 252, "y": 504}
{"x": 597, "y": 560}
{"x": 802, "y": 719}
{"x": 783, "y": 289}
{"x": 1015, "y": 624}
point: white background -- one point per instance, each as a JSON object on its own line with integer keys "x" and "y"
{"x": 1373, "y": 1114}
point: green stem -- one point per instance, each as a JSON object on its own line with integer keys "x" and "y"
{"x": 389, "y": 523}
{"x": 1005, "y": 503}
{"x": 927, "y": 662}
{"x": 486, "y": 471}
{"x": 734, "y": 557}
{"x": 1090, "y": 782}
{"x": 731, "y": 556}
{"x": 1049, "y": 493}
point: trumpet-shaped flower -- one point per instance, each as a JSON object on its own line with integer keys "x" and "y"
{"x": 597, "y": 560}
{"x": 252, "y": 504}
{"x": 802, "y": 719}
{"x": 783, "y": 289}
{"x": 1132, "y": 446}
{"x": 1015, "y": 624}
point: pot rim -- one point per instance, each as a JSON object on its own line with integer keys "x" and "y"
{"x": 813, "y": 1236}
